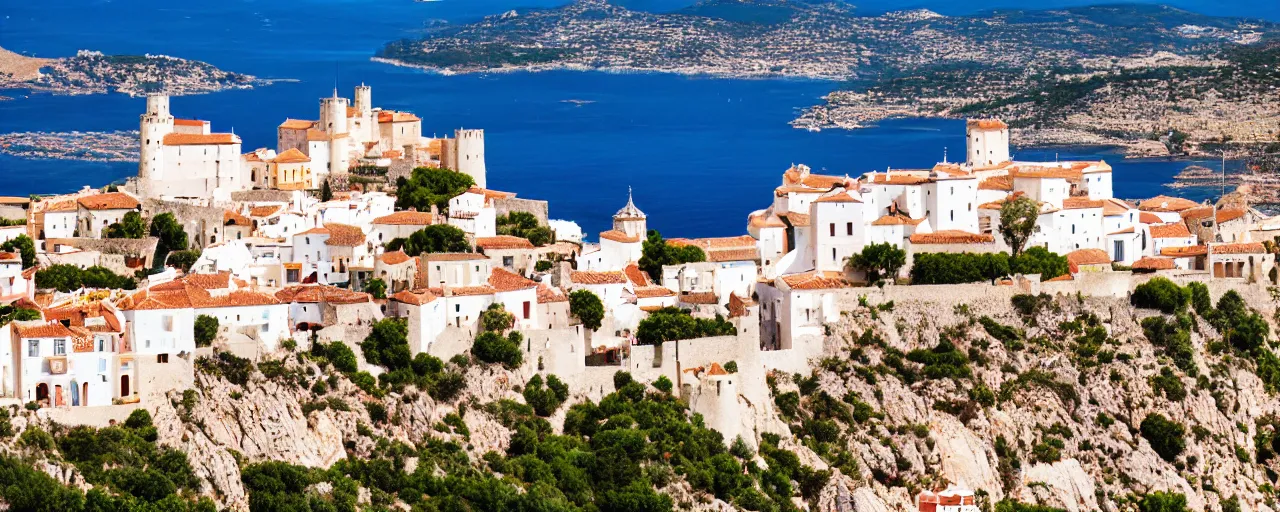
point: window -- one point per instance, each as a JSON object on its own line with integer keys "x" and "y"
{"x": 849, "y": 228}
{"x": 102, "y": 345}
{"x": 833, "y": 254}
{"x": 162, "y": 358}
{"x": 833, "y": 229}
{"x": 953, "y": 215}
{"x": 59, "y": 347}
{"x": 457, "y": 308}
{"x": 33, "y": 348}
{"x": 102, "y": 365}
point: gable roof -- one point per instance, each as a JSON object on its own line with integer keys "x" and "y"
{"x": 1088, "y": 257}
{"x": 1170, "y": 230}
{"x": 291, "y": 156}
{"x": 344, "y": 235}
{"x": 394, "y": 257}
{"x": 1153, "y": 263}
{"x": 593, "y": 277}
{"x": 416, "y": 297}
{"x": 1166, "y": 204}
{"x": 109, "y": 201}
{"x": 951, "y": 236}
{"x": 406, "y": 218}
{"x": 321, "y": 293}
{"x": 814, "y": 280}
{"x": 504, "y": 280}
{"x": 503, "y": 242}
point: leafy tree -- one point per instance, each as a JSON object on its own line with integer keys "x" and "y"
{"x": 428, "y": 186}
{"x": 206, "y": 329}
{"x": 545, "y": 400}
{"x": 436, "y": 238}
{"x": 524, "y": 225}
{"x": 586, "y": 306}
{"x": 183, "y": 260}
{"x": 1017, "y": 222}
{"x": 27, "y": 489}
{"x": 496, "y": 318}
{"x": 492, "y": 347}
{"x": 943, "y": 361}
{"x": 172, "y": 237}
{"x": 23, "y": 245}
{"x": 656, "y": 252}
{"x": 1038, "y": 260}
{"x": 1165, "y": 436}
{"x": 130, "y": 226}
{"x": 342, "y": 357}
{"x": 1161, "y": 501}
{"x": 878, "y": 260}
{"x": 376, "y": 287}
{"x": 957, "y": 268}
{"x": 326, "y": 193}
{"x": 67, "y": 278}
{"x": 543, "y": 266}
{"x": 670, "y": 324}
{"x": 1162, "y": 294}
{"x": 663, "y": 384}
{"x": 388, "y": 344}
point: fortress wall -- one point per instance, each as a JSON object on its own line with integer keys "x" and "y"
{"x": 202, "y": 223}
{"x": 536, "y": 207}
{"x": 283, "y": 196}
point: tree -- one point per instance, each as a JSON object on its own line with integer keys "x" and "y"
{"x": 172, "y": 237}
{"x": 1161, "y": 501}
{"x": 436, "y": 238}
{"x": 1017, "y": 221}
{"x": 387, "y": 344}
{"x": 586, "y": 306}
{"x": 428, "y": 186}
{"x": 376, "y": 287}
{"x": 656, "y": 252}
{"x": 1165, "y": 436}
{"x": 492, "y": 347}
{"x": 1038, "y": 260}
{"x": 1160, "y": 293}
{"x": 183, "y": 260}
{"x": 23, "y": 245}
{"x": 878, "y": 260}
{"x": 545, "y": 400}
{"x": 343, "y": 359}
{"x": 496, "y": 318}
{"x": 524, "y": 225}
{"x": 326, "y": 193}
{"x": 670, "y": 324}
{"x": 206, "y": 329}
{"x": 67, "y": 278}
{"x": 131, "y": 226}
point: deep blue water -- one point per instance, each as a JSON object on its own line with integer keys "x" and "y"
{"x": 700, "y": 153}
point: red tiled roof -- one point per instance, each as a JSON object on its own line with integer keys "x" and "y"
{"x": 1170, "y": 230}
{"x": 504, "y": 280}
{"x": 951, "y": 236}
{"x": 649, "y": 292}
{"x": 839, "y": 197}
{"x": 297, "y": 124}
{"x": 503, "y": 242}
{"x": 1149, "y": 218}
{"x": 1115, "y": 207}
{"x": 1230, "y": 214}
{"x": 264, "y": 211}
{"x": 192, "y": 139}
{"x": 896, "y": 179}
{"x": 1153, "y": 263}
{"x": 1004, "y": 183}
{"x": 52, "y": 329}
{"x": 391, "y": 116}
{"x": 406, "y": 218}
{"x": 1078, "y": 203}
{"x": 470, "y": 290}
{"x": 986, "y": 124}
{"x": 216, "y": 281}
{"x": 795, "y": 176}
{"x": 737, "y": 306}
{"x": 699, "y": 298}
{"x": 1088, "y": 257}
{"x": 796, "y": 219}
{"x": 343, "y": 235}
{"x": 1037, "y": 172}
{"x": 230, "y": 218}
{"x": 188, "y": 122}
{"x": 415, "y": 297}
{"x": 109, "y": 201}
{"x": 1183, "y": 252}
{"x": 547, "y": 294}
{"x": 618, "y": 236}
{"x": 394, "y": 257}
{"x": 322, "y": 293}
{"x": 815, "y": 280}
{"x": 591, "y": 277}
{"x": 454, "y": 256}
{"x": 292, "y": 156}
{"x": 637, "y": 276}
{"x": 61, "y": 206}
{"x": 706, "y": 244}
{"x": 1166, "y": 204}
{"x": 765, "y": 221}
{"x": 1240, "y": 248}
{"x": 1197, "y": 213}
{"x": 724, "y": 255}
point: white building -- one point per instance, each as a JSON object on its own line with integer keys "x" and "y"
{"x": 96, "y": 212}
{"x": 183, "y": 159}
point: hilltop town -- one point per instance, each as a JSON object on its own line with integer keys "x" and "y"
{"x": 357, "y": 318}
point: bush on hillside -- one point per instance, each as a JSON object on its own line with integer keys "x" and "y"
{"x": 1162, "y": 294}
{"x": 958, "y": 268}
{"x": 1165, "y": 436}
{"x": 493, "y": 348}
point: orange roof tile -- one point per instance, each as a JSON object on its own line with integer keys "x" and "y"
{"x": 264, "y": 211}
{"x": 1197, "y": 213}
{"x": 61, "y": 206}
{"x": 1088, "y": 257}
{"x": 1115, "y": 207}
{"x": 1122, "y": 231}
{"x": 1063, "y": 277}
{"x": 716, "y": 369}
{"x": 217, "y": 281}
{"x": 406, "y": 218}
{"x": 297, "y": 124}
{"x": 1004, "y": 183}
{"x": 699, "y": 298}
{"x": 796, "y": 176}
{"x": 1170, "y": 230}
{"x": 547, "y": 294}
{"x": 896, "y": 178}
{"x": 1079, "y": 203}
{"x": 737, "y": 306}
{"x": 504, "y": 280}
{"x": 986, "y": 124}
{"x": 394, "y": 257}
{"x": 503, "y": 242}
{"x": 469, "y": 291}
{"x": 343, "y": 235}
{"x": 321, "y": 293}
{"x": 1240, "y": 248}
{"x": 391, "y": 116}
{"x": 710, "y": 244}
{"x": 109, "y": 201}
{"x": 415, "y": 297}
{"x": 319, "y": 230}
{"x": 839, "y": 197}
{"x": 188, "y": 122}
{"x": 649, "y": 292}
{"x": 618, "y": 236}
{"x": 951, "y": 236}
{"x": 46, "y": 330}
{"x": 591, "y": 277}
{"x": 192, "y": 139}
{"x": 1149, "y": 218}
{"x": 795, "y": 219}
{"x": 1166, "y": 204}
{"x": 815, "y": 280}
{"x": 637, "y": 276}
{"x": 230, "y": 218}
{"x": 1230, "y": 214}
{"x": 1038, "y": 172}
{"x": 765, "y": 221}
{"x": 1153, "y": 263}
{"x": 1183, "y": 252}
{"x": 291, "y": 156}
{"x": 454, "y": 256}
{"x": 724, "y": 255}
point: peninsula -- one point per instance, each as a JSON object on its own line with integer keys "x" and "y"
{"x": 1136, "y": 76}
{"x": 90, "y": 72}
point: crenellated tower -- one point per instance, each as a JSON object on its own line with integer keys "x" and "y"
{"x": 470, "y": 154}
{"x": 155, "y": 124}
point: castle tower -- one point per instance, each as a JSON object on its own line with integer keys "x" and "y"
{"x": 155, "y": 123}
{"x": 717, "y": 401}
{"x": 364, "y": 99}
{"x": 333, "y": 114}
{"x": 470, "y": 154}
{"x": 630, "y": 219}
{"x": 986, "y": 142}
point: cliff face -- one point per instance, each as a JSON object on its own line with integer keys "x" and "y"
{"x": 1054, "y": 415}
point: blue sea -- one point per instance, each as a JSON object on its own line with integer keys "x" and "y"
{"x": 700, "y": 153}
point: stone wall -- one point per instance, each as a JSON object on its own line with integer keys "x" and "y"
{"x": 254, "y": 196}
{"x": 203, "y": 224}
{"x": 536, "y": 207}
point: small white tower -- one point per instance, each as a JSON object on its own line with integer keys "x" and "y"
{"x": 986, "y": 142}
{"x": 470, "y": 154}
{"x": 364, "y": 99}
{"x": 333, "y": 114}
{"x": 631, "y": 220}
{"x": 155, "y": 123}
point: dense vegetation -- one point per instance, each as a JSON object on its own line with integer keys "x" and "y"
{"x": 879, "y": 261}
{"x": 525, "y": 225}
{"x": 488, "y": 55}
{"x": 671, "y": 323}
{"x": 956, "y": 268}
{"x": 24, "y": 246}
{"x": 586, "y": 306}
{"x": 656, "y": 252}
{"x": 67, "y": 278}
{"x": 432, "y": 239}
{"x": 430, "y": 186}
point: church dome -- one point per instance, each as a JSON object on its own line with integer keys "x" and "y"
{"x": 629, "y": 211}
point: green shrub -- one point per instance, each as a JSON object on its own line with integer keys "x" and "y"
{"x": 1169, "y": 385}
{"x": 671, "y": 324}
{"x": 342, "y": 357}
{"x": 663, "y": 384}
{"x": 545, "y": 399}
{"x": 1162, "y": 294}
{"x": 206, "y": 329}
{"x": 377, "y": 411}
{"x": 957, "y": 268}
{"x": 1166, "y": 437}
{"x": 1160, "y": 501}
{"x": 493, "y": 348}
{"x": 943, "y": 361}
{"x": 1004, "y": 333}
{"x": 731, "y": 367}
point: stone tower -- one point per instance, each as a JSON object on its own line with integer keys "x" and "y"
{"x": 986, "y": 142}
{"x": 470, "y": 154}
{"x": 364, "y": 99}
{"x": 717, "y": 401}
{"x": 155, "y": 123}
{"x": 333, "y": 114}
{"x": 631, "y": 220}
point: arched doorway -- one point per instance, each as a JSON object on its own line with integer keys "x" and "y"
{"x": 84, "y": 394}
{"x": 124, "y": 386}
{"x": 42, "y": 392}
{"x": 59, "y": 399}
{"x": 75, "y": 394}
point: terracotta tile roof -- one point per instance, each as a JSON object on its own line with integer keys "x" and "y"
{"x": 61, "y": 206}
{"x": 1063, "y": 277}
{"x": 394, "y": 257}
{"x": 1183, "y": 252}
{"x": 1115, "y": 207}
{"x": 1123, "y": 231}
{"x": 737, "y": 306}
{"x": 1230, "y": 214}
{"x": 109, "y": 201}
{"x": 188, "y": 122}
{"x": 699, "y": 298}
{"x": 1153, "y": 263}
{"x": 839, "y": 197}
{"x": 319, "y": 230}
{"x": 986, "y": 124}
{"x": 297, "y": 124}
{"x": 547, "y": 294}
{"x": 43, "y": 330}
{"x": 1039, "y": 172}
{"x": 218, "y": 281}
{"x": 317, "y": 136}
{"x": 239, "y": 298}
{"x": 1149, "y": 218}
{"x": 815, "y": 280}
{"x": 618, "y": 236}
{"x": 1197, "y": 213}
{"x": 504, "y": 280}
{"x": 1240, "y": 248}
{"x": 725, "y": 255}
{"x": 469, "y": 291}
{"x": 322, "y": 293}
{"x": 230, "y": 218}
{"x": 783, "y": 190}
{"x": 765, "y": 221}
{"x": 800, "y": 175}
{"x": 406, "y": 218}
{"x": 344, "y": 235}
{"x": 155, "y": 299}
{"x": 1166, "y": 204}
{"x": 1170, "y": 230}
{"x": 10, "y": 257}
{"x": 29, "y": 273}
{"x": 391, "y": 116}
{"x": 649, "y": 292}
{"x": 264, "y": 211}
{"x": 1079, "y": 203}
{"x": 710, "y": 244}
{"x": 292, "y": 156}
{"x": 951, "y": 236}
{"x": 454, "y": 256}
{"x": 489, "y": 195}
{"x": 636, "y": 276}
{"x": 1088, "y": 257}
{"x": 795, "y": 219}
{"x": 503, "y": 242}
{"x": 591, "y": 277}
{"x": 415, "y": 297}
{"x": 191, "y": 139}
{"x": 1004, "y": 183}
{"x": 895, "y": 178}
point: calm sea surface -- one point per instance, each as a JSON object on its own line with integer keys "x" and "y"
{"x": 700, "y": 153}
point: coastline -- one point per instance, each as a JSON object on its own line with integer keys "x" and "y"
{"x": 617, "y": 70}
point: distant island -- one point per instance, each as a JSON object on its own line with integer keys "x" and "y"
{"x": 1153, "y": 79}
{"x": 90, "y": 72}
